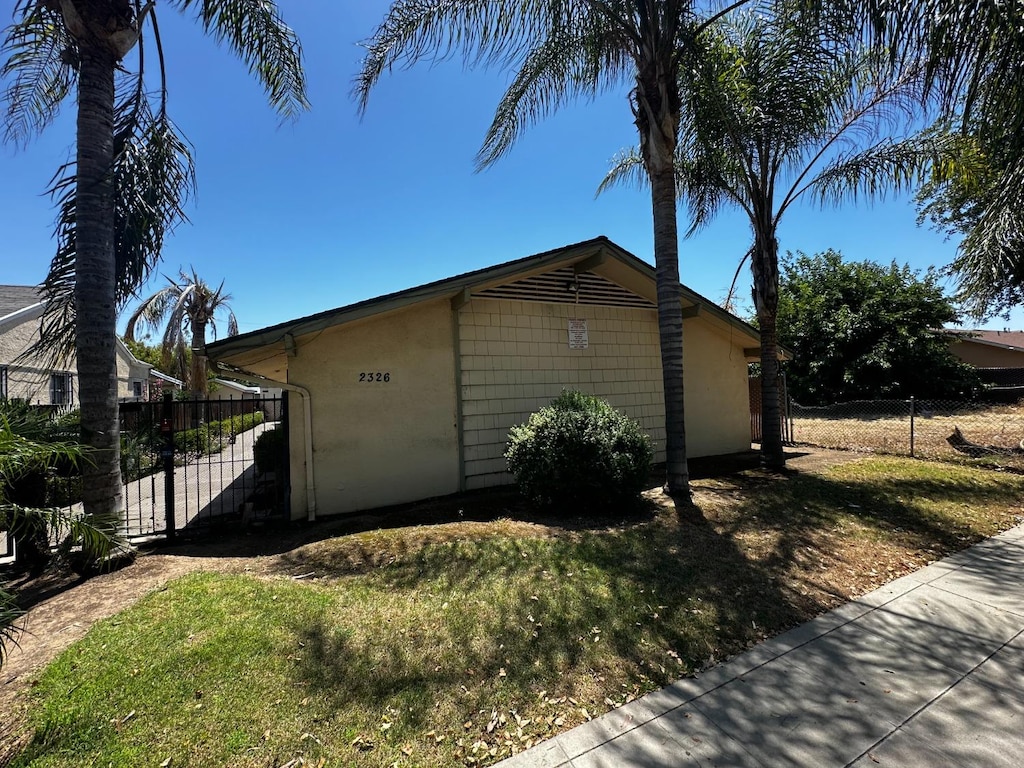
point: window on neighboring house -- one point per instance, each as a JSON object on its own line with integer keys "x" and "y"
{"x": 137, "y": 389}
{"x": 60, "y": 389}
{"x": 3, "y": 382}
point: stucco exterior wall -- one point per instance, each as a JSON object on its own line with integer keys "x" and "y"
{"x": 987, "y": 356}
{"x": 515, "y": 358}
{"x": 717, "y": 396}
{"x": 383, "y": 410}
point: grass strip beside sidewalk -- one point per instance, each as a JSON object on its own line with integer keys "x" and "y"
{"x": 462, "y": 643}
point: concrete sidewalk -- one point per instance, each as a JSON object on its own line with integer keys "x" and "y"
{"x": 927, "y": 671}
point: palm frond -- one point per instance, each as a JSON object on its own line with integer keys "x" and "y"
{"x": 575, "y": 61}
{"x": 256, "y": 32}
{"x": 154, "y": 177}
{"x": 887, "y": 166}
{"x": 481, "y": 31}
{"x": 39, "y": 53}
{"x": 627, "y": 169}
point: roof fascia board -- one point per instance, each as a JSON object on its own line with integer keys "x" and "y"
{"x": 14, "y": 319}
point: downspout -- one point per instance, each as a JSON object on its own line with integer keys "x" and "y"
{"x": 307, "y": 420}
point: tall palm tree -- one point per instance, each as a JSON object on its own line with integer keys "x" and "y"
{"x": 561, "y": 50}
{"x": 776, "y": 108}
{"x": 185, "y": 309}
{"x": 132, "y": 171}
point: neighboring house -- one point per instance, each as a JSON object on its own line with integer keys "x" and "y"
{"x": 989, "y": 349}
{"x": 37, "y": 381}
{"x": 411, "y": 395}
{"x": 225, "y": 389}
{"x": 160, "y": 382}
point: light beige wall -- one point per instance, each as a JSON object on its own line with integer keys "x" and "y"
{"x": 29, "y": 379}
{"x": 129, "y": 370}
{"x": 717, "y": 396}
{"x": 515, "y": 359}
{"x": 377, "y": 443}
{"x": 986, "y": 356}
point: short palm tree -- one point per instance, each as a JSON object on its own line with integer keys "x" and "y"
{"x": 132, "y": 171}
{"x": 185, "y": 309}
{"x": 562, "y": 50}
{"x": 775, "y": 108}
{"x": 19, "y": 456}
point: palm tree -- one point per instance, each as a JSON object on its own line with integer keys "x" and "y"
{"x": 563, "y": 49}
{"x": 776, "y": 108}
{"x": 185, "y": 309}
{"x": 131, "y": 175}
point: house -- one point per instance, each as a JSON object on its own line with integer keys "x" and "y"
{"x": 411, "y": 395}
{"x": 988, "y": 349}
{"x": 36, "y": 380}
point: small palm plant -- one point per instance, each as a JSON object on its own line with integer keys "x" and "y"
{"x": 20, "y": 456}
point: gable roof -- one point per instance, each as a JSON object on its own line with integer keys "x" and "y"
{"x": 1004, "y": 339}
{"x": 586, "y": 255}
{"x": 17, "y": 297}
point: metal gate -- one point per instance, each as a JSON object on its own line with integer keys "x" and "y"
{"x": 199, "y": 465}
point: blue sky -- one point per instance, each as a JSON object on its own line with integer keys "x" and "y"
{"x": 332, "y": 209}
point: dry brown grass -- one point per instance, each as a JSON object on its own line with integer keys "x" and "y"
{"x": 1000, "y": 428}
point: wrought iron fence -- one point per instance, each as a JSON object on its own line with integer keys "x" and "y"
{"x": 987, "y": 434}
{"x": 189, "y": 466}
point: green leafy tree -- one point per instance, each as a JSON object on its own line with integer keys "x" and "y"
{"x": 131, "y": 174}
{"x": 775, "y": 109}
{"x": 562, "y": 50}
{"x": 186, "y": 309}
{"x": 861, "y": 330}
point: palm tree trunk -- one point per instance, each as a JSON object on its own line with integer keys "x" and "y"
{"x": 95, "y": 307}
{"x": 199, "y": 382}
{"x": 765, "y": 266}
{"x": 670, "y": 323}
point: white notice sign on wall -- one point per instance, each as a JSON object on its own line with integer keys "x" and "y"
{"x": 578, "y": 333}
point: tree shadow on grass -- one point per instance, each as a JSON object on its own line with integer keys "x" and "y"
{"x": 666, "y": 597}
{"x": 661, "y": 600}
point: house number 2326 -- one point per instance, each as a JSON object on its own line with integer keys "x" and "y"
{"x": 375, "y": 376}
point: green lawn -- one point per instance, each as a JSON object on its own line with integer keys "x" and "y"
{"x": 469, "y": 643}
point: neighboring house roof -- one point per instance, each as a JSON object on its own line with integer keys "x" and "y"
{"x": 17, "y": 297}
{"x": 164, "y": 377}
{"x": 585, "y": 255}
{"x": 237, "y": 386}
{"x": 1004, "y": 339}
{"x": 21, "y": 303}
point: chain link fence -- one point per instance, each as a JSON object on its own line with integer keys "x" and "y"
{"x": 987, "y": 434}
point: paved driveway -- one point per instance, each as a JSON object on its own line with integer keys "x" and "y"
{"x": 205, "y": 487}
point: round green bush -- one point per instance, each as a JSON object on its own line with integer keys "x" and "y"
{"x": 271, "y": 451}
{"x": 579, "y": 451}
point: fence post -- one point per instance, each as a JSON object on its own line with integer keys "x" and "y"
{"x": 911, "y": 426}
{"x": 167, "y": 454}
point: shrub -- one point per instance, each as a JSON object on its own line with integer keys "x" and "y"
{"x": 579, "y": 451}
{"x": 270, "y": 451}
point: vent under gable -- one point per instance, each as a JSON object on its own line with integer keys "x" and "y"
{"x": 559, "y": 287}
